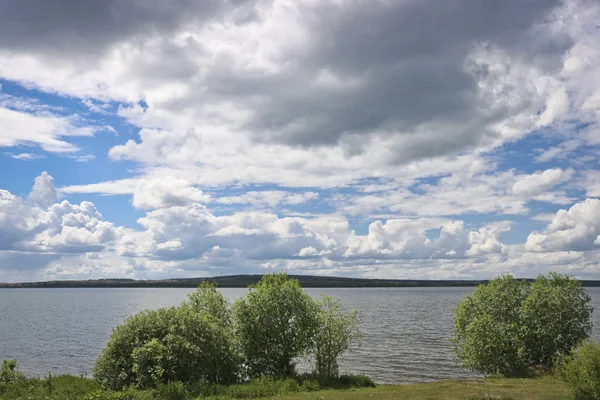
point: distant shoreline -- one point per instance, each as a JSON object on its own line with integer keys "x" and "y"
{"x": 242, "y": 281}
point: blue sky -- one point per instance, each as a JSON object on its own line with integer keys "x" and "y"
{"x": 349, "y": 138}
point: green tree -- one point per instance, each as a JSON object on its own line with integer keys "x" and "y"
{"x": 274, "y": 324}
{"x": 207, "y": 299}
{"x": 556, "y": 317}
{"x": 186, "y": 343}
{"x": 336, "y": 331}
{"x": 487, "y": 327}
{"x": 581, "y": 371}
{"x": 509, "y": 326}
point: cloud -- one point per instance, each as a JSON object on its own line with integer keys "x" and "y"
{"x": 371, "y": 115}
{"x": 537, "y": 183}
{"x": 26, "y": 156}
{"x": 158, "y": 193}
{"x": 43, "y": 193}
{"x": 44, "y": 130}
{"x": 592, "y": 183}
{"x": 272, "y": 76}
{"x": 576, "y": 229}
{"x": 480, "y": 188}
{"x": 558, "y": 152}
{"x": 271, "y": 198}
{"x": 43, "y": 225}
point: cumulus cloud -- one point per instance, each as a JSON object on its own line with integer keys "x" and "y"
{"x": 575, "y": 229}
{"x": 43, "y": 225}
{"x": 43, "y": 192}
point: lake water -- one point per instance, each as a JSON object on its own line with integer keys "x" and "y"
{"x": 407, "y": 330}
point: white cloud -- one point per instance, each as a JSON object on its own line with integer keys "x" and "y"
{"x": 164, "y": 192}
{"x": 591, "y": 183}
{"x": 576, "y": 229}
{"x": 42, "y": 225}
{"x": 26, "y": 156}
{"x": 537, "y": 183}
{"x": 270, "y": 198}
{"x": 43, "y": 193}
{"x": 45, "y": 130}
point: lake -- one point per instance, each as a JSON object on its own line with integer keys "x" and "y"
{"x": 407, "y": 330}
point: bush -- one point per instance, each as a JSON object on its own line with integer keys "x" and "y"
{"x": 581, "y": 371}
{"x": 556, "y": 318}
{"x": 274, "y": 324}
{"x": 9, "y": 374}
{"x": 487, "y": 327}
{"x": 509, "y": 326}
{"x": 187, "y": 343}
{"x": 336, "y": 331}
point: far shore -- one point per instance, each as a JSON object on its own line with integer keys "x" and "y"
{"x": 242, "y": 281}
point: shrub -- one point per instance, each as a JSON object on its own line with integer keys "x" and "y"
{"x": 556, "y": 317}
{"x": 336, "y": 331}
{"x": 185, "y": 343}
{"x": 9, "y": 374}
{"x": 581, "y": 371}
{"x": 274, "y": 324}
{"x": 487, "y": 327}
{"x": 509, "y": 326}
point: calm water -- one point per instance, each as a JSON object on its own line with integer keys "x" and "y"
{"x": 406, "y": 329}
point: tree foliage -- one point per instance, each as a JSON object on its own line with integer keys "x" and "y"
{"x": 336, "y": 331}
{"x": 205, "y": 339}
{"x": 186, "y": 343}
{"x": 508, "y": 326}
{"x": 556, "y": 317}
{"x": 274, "y": 325}
{"x": 9, "y": 374}
{"x": 581, "y": 371}
{"x": 487, "y": 327}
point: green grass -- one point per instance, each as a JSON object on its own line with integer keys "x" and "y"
{"x": 74, "y": 388}
{"x": 541, "y": 388}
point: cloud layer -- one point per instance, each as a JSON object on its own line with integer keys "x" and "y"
{"x": 374, "y": 138}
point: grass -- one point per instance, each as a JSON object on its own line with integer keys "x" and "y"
{"x": 541, "y": 388}
{"x": 74, "y": 388}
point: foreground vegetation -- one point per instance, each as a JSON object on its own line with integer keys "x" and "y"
{"x": 76, "y": 388}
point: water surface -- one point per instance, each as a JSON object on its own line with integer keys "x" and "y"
{"x": 407, "y": 330}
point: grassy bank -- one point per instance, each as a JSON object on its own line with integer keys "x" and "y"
{"x": 547, "y": 388}
{"x": 76, "y": 388}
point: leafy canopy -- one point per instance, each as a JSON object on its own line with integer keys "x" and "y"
{"x": 274, "y": 324}
{"x": 509, "y": 326}
{"x": 336, "y": 331}
{"x": 186, "y": 343}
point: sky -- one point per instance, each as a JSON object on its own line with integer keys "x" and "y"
{"x": 409, "y": 139}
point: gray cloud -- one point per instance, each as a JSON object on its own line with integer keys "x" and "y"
{"x": 344, "y": 73}
{"x": 88, "y": 27}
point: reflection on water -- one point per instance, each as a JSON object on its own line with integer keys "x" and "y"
{"x": 407, "y": 330}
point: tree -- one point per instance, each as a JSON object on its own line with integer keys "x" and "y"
{"x": 508, "y": 326}
{"x": 336, "y": 332}
{"x": 274, "y": 324}
{"x": 186, "y": 343}
{"x": 487, "y": 327}
{"x": 556, "y": 318}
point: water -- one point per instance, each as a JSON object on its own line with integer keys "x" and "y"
{"x": 407, "y": 330}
